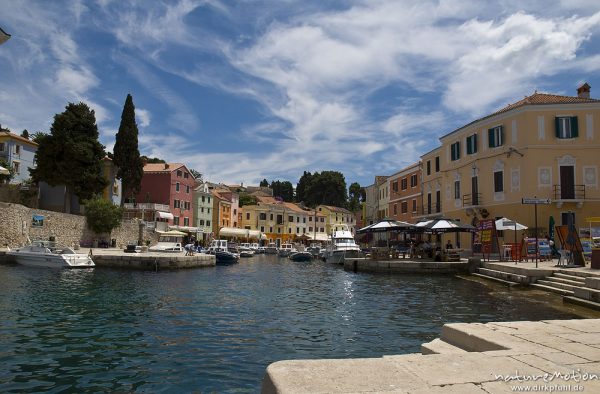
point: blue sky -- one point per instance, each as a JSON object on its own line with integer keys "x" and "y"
{"x": 252, "y": 89}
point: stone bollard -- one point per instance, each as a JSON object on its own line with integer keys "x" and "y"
{"x": 473, "y": 264}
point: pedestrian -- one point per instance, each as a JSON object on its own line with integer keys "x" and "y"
{"x": 449, "y": 245}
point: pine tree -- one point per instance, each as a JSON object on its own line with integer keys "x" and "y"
{"x": 71, "y": 154}
{"x": 126, "y": 153}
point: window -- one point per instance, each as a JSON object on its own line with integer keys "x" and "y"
{"x": 437, "y": 164}
{"x": 566, "y": 127}
{"x": 202, "y": 198}
{"x": 187, "y": 189}
{"x": 271, "y": 217}
{"x": 207, "y": 210}
{"x": 413, "y": 180}
{"x": 177, "y": 187}
{"x": 185, "y": 175}
{"x": 208, "y": 223}
{"x": 176, "y": 221}
{"x": 495, "y": 137}
{"x": 186, "y": 221}
{"x": 17, "y": 167}
{"x": 455, "y": 151}
{"x": 186, "y": 205}
{"x": 404, "y": 207}
{"x": 279, "y": 219}
{"x": 395, "y": 186}
{"x": 247, "y": 215}
{"x": 403, "y": 184}
{"x": 290, "y": 219}
{"x": 262, "y": 229}
{"x": 176, "y": 204}
{"x": 202, "y": 209}
{"x": 310, "y": 229}
{"x": 428, "y": 203}
{"x": 209, "y": 200}
{"x": 395, "y": 210}
{"x": 498, "y": 181}
{"x": 322, "y": 220}
{"x": 179, "y": 174}
{"x": 310, "y": 218}
{"x": 18, "y": 149}
{"x": 2, "y": 147}
{"x": 457, "y": 190}
{"x": 472, "y": 144}
{"x": 414, "y": 205}
{"x": 270, "y": 229}
{"x": 438, "y": 201}
{"x": 428, "y": 167}
{"x": 201, "y": 222}
{"x": 262, "y": 216}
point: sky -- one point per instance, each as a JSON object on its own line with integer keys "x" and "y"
{"x": 251, "y": 89}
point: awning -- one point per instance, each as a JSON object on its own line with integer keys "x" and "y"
{"x": 241, "y": 233}
{"x": 164, "y": 215}
{"x": 319, "y": 237}
{"x": 172, "y": 233}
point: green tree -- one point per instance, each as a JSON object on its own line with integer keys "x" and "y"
{"x": 283, "y": 189}
{"x": 102, "y": 216}
{"x": 247, "y": 199}
{"x": 11, "y": 171}
{"x": 37, "y": 136}
{"x": 130, "y": 167}
{"x": 25, "y": 134}
{"x": 152, "y": 160}
{"x": 264, "y": 183}
{"x": 327, "y": 187}
{"x": 71, "y": 154}
{"x": 196, "y": 174}
{"x": 303, "y": 186}
{"x": 356, "y": 195}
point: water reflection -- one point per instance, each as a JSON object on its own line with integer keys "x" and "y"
{"x": 217, "y": 329}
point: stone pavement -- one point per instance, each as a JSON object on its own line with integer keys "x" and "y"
{"x": 544, "y": 356}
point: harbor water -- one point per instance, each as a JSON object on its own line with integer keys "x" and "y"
{"x": 217, "y": 329}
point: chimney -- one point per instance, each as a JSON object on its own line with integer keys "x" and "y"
{"x": 166, "y": 166}
{"x": 584, "y": 91}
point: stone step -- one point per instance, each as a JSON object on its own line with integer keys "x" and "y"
{"x": 587, "y": 293}
{"x": 582, "y": 302}
{"x": 570, "y": 276}
{"x": 571, "y": 282}
{"x": 472, "y": 338}
{"x": 437, "y": 346}
{"x": 507, "y": 276}
{"x": 553, "y": 289}
{"x": 494, "y": 279}
{"x": 558, "y": 285}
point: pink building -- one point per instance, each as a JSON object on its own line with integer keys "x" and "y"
{"x": 168, "y": 185}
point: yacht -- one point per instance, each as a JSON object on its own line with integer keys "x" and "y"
{"x": 49, "y": 254}
{"x": 342, "y": 246}
{"x": 271, "y": 248}
{"x": 218, "y": 248}
{"x": 286, "y": 249}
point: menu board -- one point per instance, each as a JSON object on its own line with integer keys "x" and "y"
{"x": 486, "y": 234}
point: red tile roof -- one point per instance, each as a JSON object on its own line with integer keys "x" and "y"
{"x": 6, "y": 133}
{"x": 160, "y": 167}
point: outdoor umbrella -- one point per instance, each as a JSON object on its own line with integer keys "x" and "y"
{"x": 435, "y": 226}
{"x": 386, "y": 225}
{"x": 4, "y": 171}
{"x": 510, "y": 225}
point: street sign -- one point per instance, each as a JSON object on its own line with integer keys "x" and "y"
{"x": 536, "y": 201}
{"x": 508, "y": 223}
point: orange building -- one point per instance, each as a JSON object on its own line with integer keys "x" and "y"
{"x": 405, "y": 193}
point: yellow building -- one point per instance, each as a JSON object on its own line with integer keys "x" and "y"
{"x": 543, "y": 146}
{"x": 337, "y": 217}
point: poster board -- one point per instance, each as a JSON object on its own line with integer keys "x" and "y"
{"x": 37, "y": 221}
{"x": 529, "y": 246}
{"x": 487, "y": 233}
{"x": 587, "y": 244}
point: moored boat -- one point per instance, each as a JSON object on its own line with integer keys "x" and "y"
{"x": 218, "y": 248}
{"x": 342, "y": 246}
{"x": 49, "y": 254}
{"x": 271, "y": 248}
{"x": 286, "y": 249}
{"x": 301, "y": 256}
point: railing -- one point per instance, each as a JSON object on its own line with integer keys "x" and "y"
{"x": 471, "y": 200}
{"x": 431, "y": 209}
{"x": 575, "y": 192}
{"x": 145, "y": 206}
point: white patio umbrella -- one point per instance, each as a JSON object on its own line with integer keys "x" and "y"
{"x": 386, "y": 225}
{"x": 4, "y": 171}
{"x": 443, "y": 226}
{"x": 507, "y": 224}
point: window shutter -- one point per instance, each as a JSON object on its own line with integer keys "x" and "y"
{"x": 501, "y": 136}
{"x": 491, "y": 138}
{"x": 457, "y": 150}
{"x": 574, "y": 128}
{"x": 557, "y": 126}
{"x": 474, "y": 143}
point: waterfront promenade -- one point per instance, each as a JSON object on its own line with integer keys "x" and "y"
{"x": 501, "y": 357}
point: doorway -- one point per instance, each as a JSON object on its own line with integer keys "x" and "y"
{"x": 567, "y": 182}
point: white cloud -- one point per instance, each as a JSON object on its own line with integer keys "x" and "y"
{"x": 143, "y": 116}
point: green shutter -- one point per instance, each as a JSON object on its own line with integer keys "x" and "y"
{"x": 574, "y": 127}
{"x": 501, "y": 142}
{"x": 469, "y": 145}
{"x": 457, "y": 150}
{"x": 474, "y": 143}
{"x": 557, "y": 126}
{"x": 491, "y": 138}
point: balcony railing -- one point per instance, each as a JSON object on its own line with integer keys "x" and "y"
{"x": 471, "y": 200}
{"x": 430, "y": 209}
{"x": 145, "y": 206}
{"x": 575, "y": 192}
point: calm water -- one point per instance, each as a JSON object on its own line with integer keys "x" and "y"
{"x": 216, "y": 329}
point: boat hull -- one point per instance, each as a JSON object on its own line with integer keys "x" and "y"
{"x": 225, "y": 258}
{"x": 52, "y": 261}
{"x": 301, "y": 256}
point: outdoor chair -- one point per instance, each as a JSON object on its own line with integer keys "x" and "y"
{"x": 564, "y": 256}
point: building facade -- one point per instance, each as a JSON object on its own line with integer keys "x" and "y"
{"x": 405, "y": 193}
{"x": 203, "y": 210}
{"x": 337, "y": 218}
{"x": 19, "y": 153}
{"x": 543, "y": 146}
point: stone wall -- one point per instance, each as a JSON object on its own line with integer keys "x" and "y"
{"x": 16, "y": 227}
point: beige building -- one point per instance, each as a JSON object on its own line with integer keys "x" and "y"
{"x": 544, "y": 146}
{"x": 336, "y": 217}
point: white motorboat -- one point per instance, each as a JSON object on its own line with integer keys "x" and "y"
{"x": 48, "y": 254}
{"x": 286, "y": 249}
{"x": 220, "y": 249}
{"x": 342, "y": 246}
{"x": 170, "y": 241}
{"x": 271, "y": 248}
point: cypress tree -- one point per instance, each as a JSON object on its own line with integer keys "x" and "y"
{"x": 126, "y": 153}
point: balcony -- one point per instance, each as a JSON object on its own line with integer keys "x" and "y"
{"x": 146, "y": 207}
{"x": 572, "y": 193}
{"x": 471, "y": 200}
